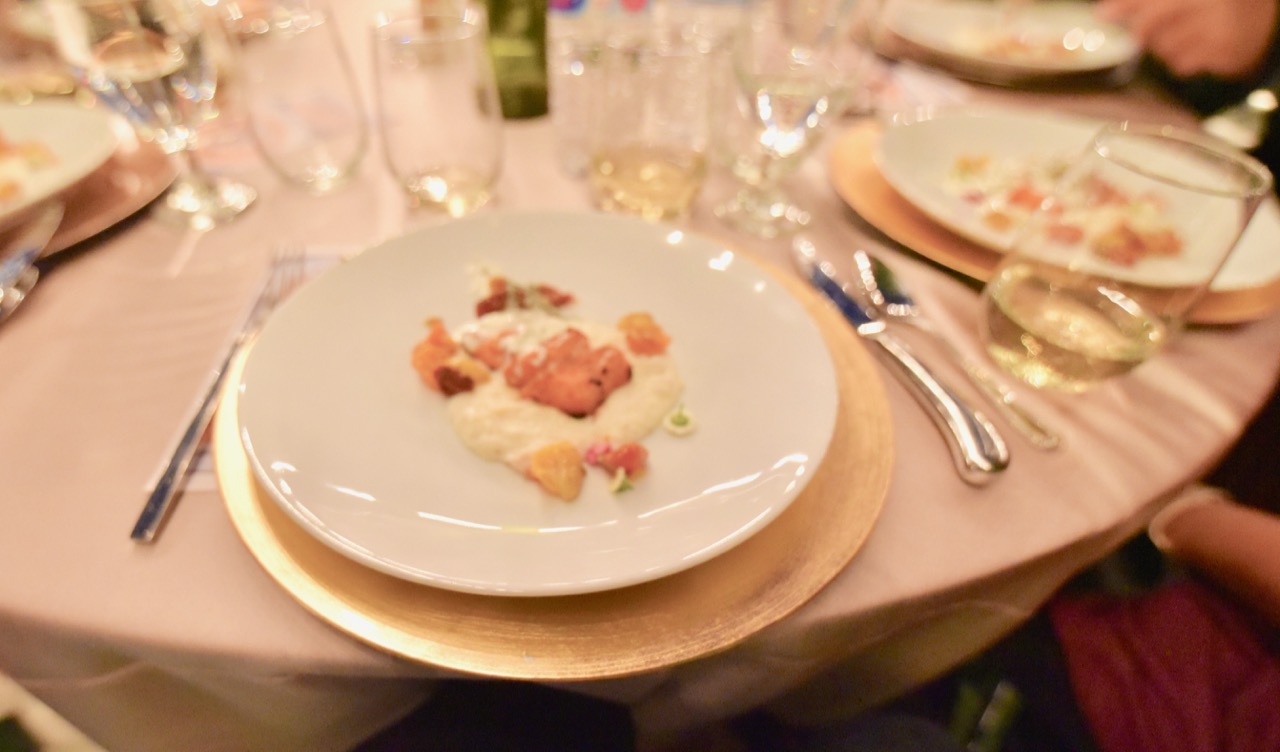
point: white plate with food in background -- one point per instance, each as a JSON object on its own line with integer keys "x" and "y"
{"x": 1027, "y": 39}
{"x": 350, "y": 443}
{"x": 928, "y": 158}
{"x": 46, "y": 147}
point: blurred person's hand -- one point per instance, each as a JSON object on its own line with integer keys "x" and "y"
{"x": 1226, "y": 38}
{"x": 1236, "y": 545}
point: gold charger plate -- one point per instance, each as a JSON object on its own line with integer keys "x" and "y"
{"x": 645, "y": 627}
{"x": 857, "y": 180}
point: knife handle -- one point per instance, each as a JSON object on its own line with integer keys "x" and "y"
{"x": 976, "y": 446}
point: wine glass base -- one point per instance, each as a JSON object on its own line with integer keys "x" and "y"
{"x": 771, "y": 219}
{"x": 202, "y": 204}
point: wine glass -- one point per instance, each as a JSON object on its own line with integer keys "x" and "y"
{"x": 1106, "y": 268}
{"x": 792, "y": 78}
{"x": 154, "y": 62}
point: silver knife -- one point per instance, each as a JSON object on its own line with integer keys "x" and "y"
{"x": 978, "y": 449}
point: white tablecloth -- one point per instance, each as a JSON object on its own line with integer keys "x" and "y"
{"x": 188, "y": 644}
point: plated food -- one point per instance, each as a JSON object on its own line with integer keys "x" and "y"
{"x": 1115, "y": 225}
{"x": 19, "y": 162}
{"x": 1005, "y": 41}
{"x": 966, "y": 166}
{"x": 350, "y": 443}
{"x": 549, "y": 393}
{"x": 47, "y": 147}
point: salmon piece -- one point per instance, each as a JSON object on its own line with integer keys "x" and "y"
{"x": 566, "y": 346}
{"x": 490, "y": 352}
{"x": 1164, "y": 242}
{"x": 432, "y": 352}
{"x": 564, "y": 372}
{"x": 611, "y": 368}
{"x": 1026, "y": 196}
{"x": 1062, "y": 232}
{"x": 1099, "y": 192}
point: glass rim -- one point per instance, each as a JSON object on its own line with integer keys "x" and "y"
{"x": 467, "y": 19}
{"x": 1258, "y": 182}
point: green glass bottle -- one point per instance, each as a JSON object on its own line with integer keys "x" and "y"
{"x": 518, "y": 44}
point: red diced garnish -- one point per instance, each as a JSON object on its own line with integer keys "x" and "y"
{"x": 631, "y": 458}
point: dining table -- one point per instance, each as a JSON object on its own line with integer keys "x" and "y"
{"x": 194, "y": 642}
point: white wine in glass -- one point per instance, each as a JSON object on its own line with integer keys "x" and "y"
{"x": 150, "y": 61}
{"x": 1103, "y": 274}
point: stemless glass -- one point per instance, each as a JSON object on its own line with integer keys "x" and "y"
{"x": 651, "y": 124}
{"x": 303, "y": 105}
{"x": 438, "y": 108}
{"x": 153, "y": 62}
{"x": 1104, "y": 272}
{"x": 793, "y": 78}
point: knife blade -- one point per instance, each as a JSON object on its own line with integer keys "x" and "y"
{"x": 977, "y": 448}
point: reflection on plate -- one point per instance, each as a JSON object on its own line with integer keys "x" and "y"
{"x": 699, "y": 611}
{"x": 1040, "y": 38}
{"x": 78, "y": 140}
{"x": 133, "y": 177}
{"x": 353, "y": 447}
{"x": 1247, "y": 287}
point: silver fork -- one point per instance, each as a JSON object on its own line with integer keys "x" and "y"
{"x": 288, "y": 272}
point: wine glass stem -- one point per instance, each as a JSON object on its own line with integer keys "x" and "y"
{"x": 190, "y": 169}
{"x": 200, "y": 199}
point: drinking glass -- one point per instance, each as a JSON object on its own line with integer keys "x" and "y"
{"x": 153, "y": 62}
{"x": 793, "y": 77}
{"x": 438, "y": 108}
{"x": 1105, "y": 270}
{"x": 651, "y": 123}
{"x": 303, "y": 106}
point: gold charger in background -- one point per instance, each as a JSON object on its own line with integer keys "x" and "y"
{"x": 858, "y": 181}
{"x": 645, "y": 627}
{"x": 131, "y": 178}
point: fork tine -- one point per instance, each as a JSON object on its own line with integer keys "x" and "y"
{"x": 288, "y": 273}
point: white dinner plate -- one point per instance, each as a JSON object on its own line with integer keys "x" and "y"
{"x": 1042, "y": 38}
{"x": 80, "y": 140}
{"x": 916, "y": 152}
{"x": 358, "y": 452}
